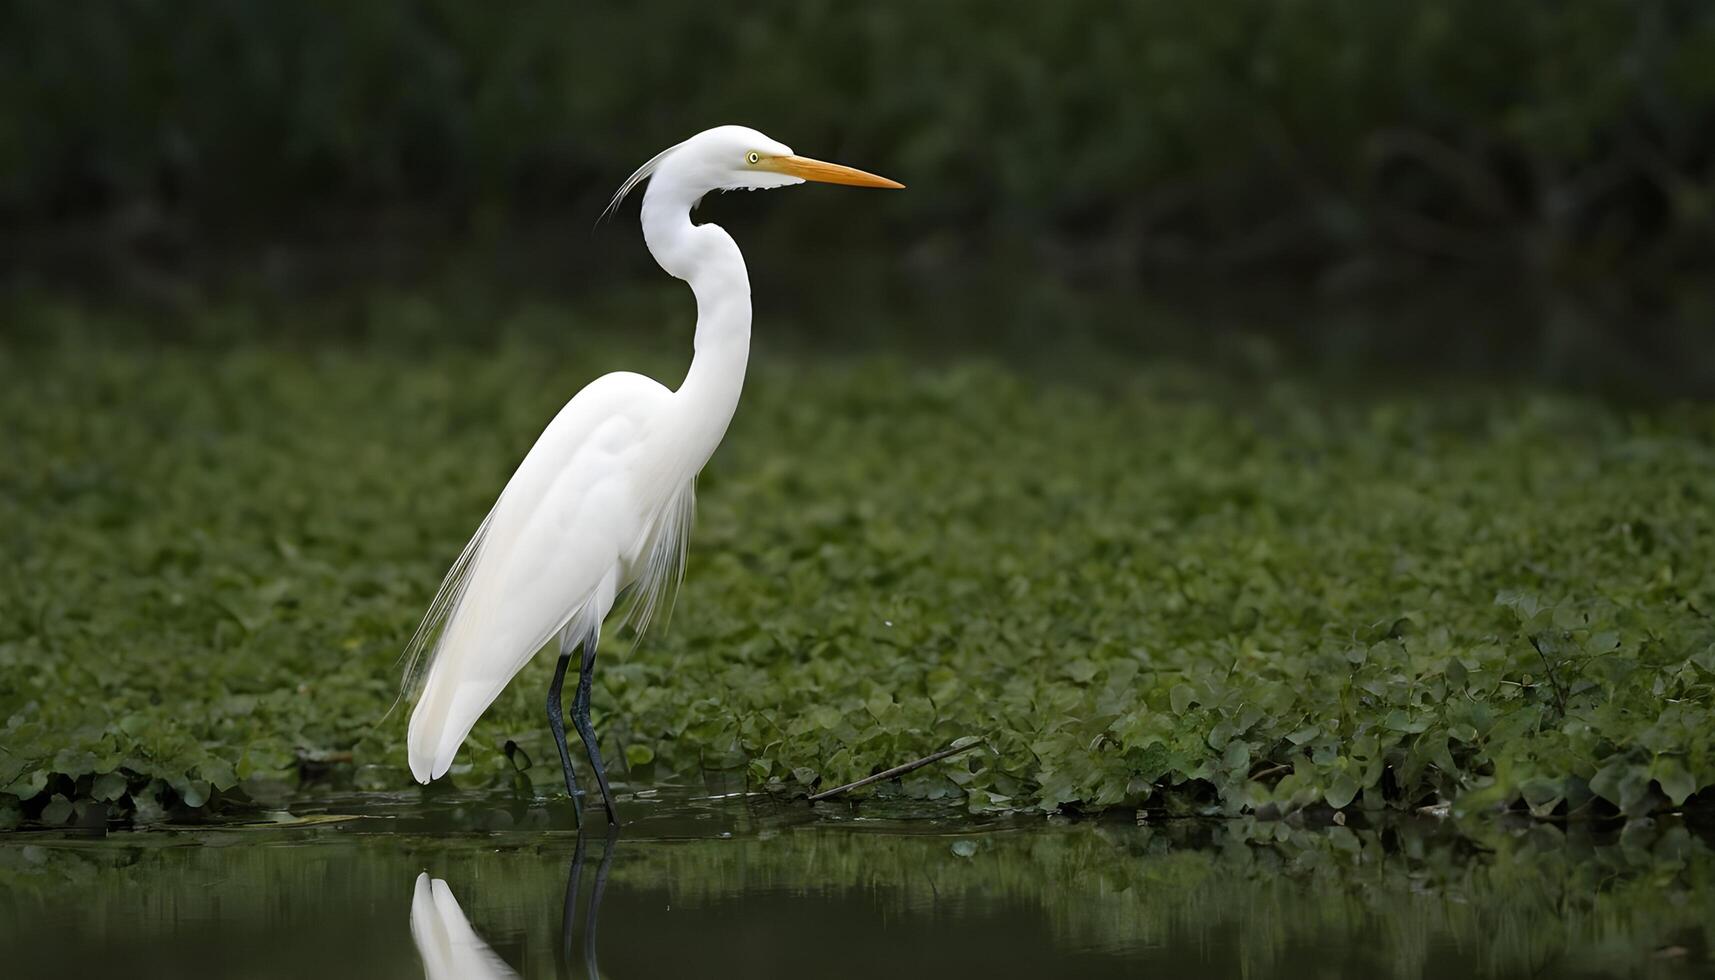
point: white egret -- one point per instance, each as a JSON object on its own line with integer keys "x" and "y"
{"x": 601, "y": 506}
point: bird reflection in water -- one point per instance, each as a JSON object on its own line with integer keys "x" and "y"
{"x": 447, "y": 944}
{"x": 450, "y": 948}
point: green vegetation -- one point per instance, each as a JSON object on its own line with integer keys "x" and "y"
{"x": 1348, "y": 138}
{"x": 1166, "y": 589}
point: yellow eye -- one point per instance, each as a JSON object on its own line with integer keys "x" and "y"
{"x": 752, "y": 157}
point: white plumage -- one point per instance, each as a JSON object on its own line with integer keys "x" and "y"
{"x": 602, "y": 503}
{"x": 570, "y": 530}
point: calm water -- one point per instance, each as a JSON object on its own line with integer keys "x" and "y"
{"x": 744, "y": 886}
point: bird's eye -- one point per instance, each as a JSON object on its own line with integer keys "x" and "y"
{"x": 752, "y": 157}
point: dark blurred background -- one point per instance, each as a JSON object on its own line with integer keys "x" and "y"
{"x": 1444, "y": 185}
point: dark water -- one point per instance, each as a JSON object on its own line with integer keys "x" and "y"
{"x": 745, "y": 886}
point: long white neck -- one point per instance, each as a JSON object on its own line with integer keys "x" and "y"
{"x": 706, "y": 257}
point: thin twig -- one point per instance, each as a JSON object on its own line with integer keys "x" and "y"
{"x": 1553, "y": 681}
{"x": 897, "y": 770}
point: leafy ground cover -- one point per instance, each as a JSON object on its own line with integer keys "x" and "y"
{"x": 1163, "y": 591}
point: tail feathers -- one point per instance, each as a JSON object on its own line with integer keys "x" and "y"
{"x": 429, "y": 728}
{"x": 448, "y": 710}
{"x": 470, "y": 668}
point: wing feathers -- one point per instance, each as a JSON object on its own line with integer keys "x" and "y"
{"x": 574, "y": 523}
{"x": 441, "y": 607}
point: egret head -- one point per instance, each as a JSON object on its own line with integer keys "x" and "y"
{"x": 731, "y": 158}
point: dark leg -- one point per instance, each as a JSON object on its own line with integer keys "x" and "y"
{"x": 581, "y": 718}
{"x": 558, "y": 726}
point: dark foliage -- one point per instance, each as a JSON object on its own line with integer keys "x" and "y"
{"x": 1347, "y": 140}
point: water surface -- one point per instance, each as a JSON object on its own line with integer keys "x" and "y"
{"x": 748, "y": 886}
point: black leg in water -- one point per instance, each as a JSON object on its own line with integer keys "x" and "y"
{"x": 558, "y": 726}
{"x": 581, "y": 719}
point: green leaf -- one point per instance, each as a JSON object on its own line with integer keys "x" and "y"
{"x": 1181, "y": 698}
{"x": 1676, "y": 782}
{"x": 57, "y": 812}
{"x": 1341, "y": 790}
{"x": 1237, "y": 755}
{"x": 109, "y": 786}
{"x": 192, "y": 792}
{"x": 1541, "y": 795}
{"x": 222, "y": 777}
{"x": 27, "y": 785}
{"x": 1623, "y": 783}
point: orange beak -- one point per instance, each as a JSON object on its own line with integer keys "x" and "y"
{"x": 827, "y": 173}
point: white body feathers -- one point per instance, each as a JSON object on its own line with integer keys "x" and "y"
{"x": 602, "y": 502}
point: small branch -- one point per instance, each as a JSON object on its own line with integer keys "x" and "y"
{"x": 897, "y": 770}
{"x": 1554, "y": 682}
